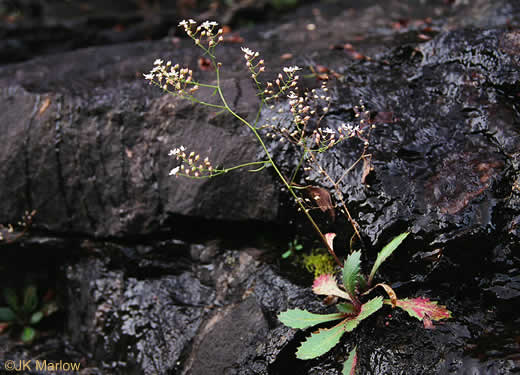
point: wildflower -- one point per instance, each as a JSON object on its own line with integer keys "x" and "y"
{"x": 248, "y": 54}
{"x": 209, "y": 25}
{"x": 174, "y": 171}
{"x": 291, "y": 69}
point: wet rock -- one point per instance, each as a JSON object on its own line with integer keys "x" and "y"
{"x": 135, "y": 325}
{"x": 176, "y": 323}
{"x": 91, "y": 141}
{"x": 91, "y": 155}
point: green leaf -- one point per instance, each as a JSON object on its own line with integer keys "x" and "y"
{"x": 423, "y": 309}
{"x": 346, "y": 308}
{"x": 11, "y": 298}
{"x": 7, "y": 315}
{"x": 297, "y": 318}
{"x": 30, "y": 299}
{"x": 366, "y": 310}
{"x": 349, "y": 367}
{"x": 36, "y": 317}
{"x": 321, "y": 342}
{"x": 385, "y": 253}
{"x": 326, "y": 285}
{"x": 287, "y": 254}
{"x": 351, "y": 273}
{"x": 28, "y": 334}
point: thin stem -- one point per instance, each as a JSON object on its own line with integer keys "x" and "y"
{"x": 278, "y": 172}
{"x": 299, "y": 163}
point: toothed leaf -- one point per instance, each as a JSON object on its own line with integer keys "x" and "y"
{"x": 423, "y": 309}
{"x": 326, "y": 285}
{"x": 351, "y": 272}
{"x": 346, "y": 308}
{"x": 366, "y": 310}
{"x": 385, "y": 253}
{"x": 302, "y": 319}
{"x": 321, "y": 342}
{"x": 349, "y": 367}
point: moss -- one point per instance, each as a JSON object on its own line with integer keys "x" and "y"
{"x": 319, "y": 262}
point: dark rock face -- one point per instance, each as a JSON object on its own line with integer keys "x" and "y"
{"x": 97, "y": 162}
{"x": 86, "y": 144}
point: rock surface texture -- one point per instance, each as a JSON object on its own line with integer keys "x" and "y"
{"x": 164, "y": 275}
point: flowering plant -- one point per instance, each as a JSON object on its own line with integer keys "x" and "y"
{"x": 305, "y": 132}
{"x": 306, "y": 109}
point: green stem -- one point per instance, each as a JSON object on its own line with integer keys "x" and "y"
{"x": 278, "y": 172}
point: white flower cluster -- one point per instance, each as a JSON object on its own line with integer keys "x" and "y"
{"x": 170, "y": 77}
{"x": 308, "y": 111}
{"x": 190, "y": 163}
{"x": 254, "y": 67}
{"x": 204, "y": 33}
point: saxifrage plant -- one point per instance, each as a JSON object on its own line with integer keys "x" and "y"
{"x": 352, "y": 310}
{"x": 27, "y": 313}
{"x": 310, "y": 134}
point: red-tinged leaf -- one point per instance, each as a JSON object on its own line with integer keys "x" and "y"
{"x": 427, "y": 322}
{"x": 326, "y": 285}
{"x": 349, "y": 367}
{"x": 423, "y": 309}
{"x": 3, "y": 327}
{"x": 322, "y": 199}
{"x": 286, "y": 56}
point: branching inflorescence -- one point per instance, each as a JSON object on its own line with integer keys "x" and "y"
{"x": 305, "y": 109}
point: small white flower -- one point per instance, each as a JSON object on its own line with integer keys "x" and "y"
{"x": 148, "y": 76}
{"x": 174, "y": 171}
{"x": 291, "y": 69}
{"x": 158, "y": 62}
{"x": 208, "y": 25}
{"x": 183, "y": 23}
{"x": 328, "y": 131}
{"x": 247, "y": 51}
